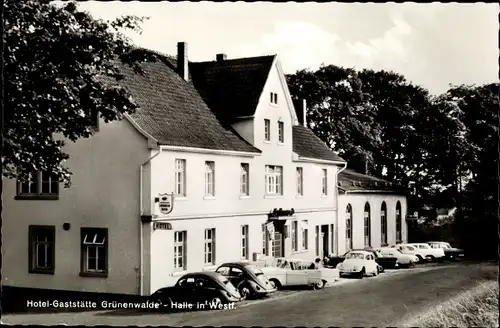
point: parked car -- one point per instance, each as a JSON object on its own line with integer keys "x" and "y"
{"x": 359, "y": 264}
{"x": 248, "y": 279}
{"x": 450, "y": 253}
{"x": 403, "y": 260}
{"x": 294, "y": 272}
{"x": 430, "y": 254}
{"x": 195, "y": 288}
{"x": 410, "y": 250}
{"x": 383, "y": 263}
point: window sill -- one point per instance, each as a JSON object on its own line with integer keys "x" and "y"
{"x": 210, "y": 268}
{"x": 267, "y": 141}
{"x": 245, "y": 197}
{"x": 274, "y": 105}
{"x": 300, "y": 252}
{"x": 273, "y": 196}
{"x": 94, "y": 274}
{"x": 36, "y": 197}
{"x": 41, "y": 271}
{"x": 299, "y": 196}
{"x": 280, "y": 143}
{"x": 180, "y": 198}
{"x": 209, "y": 197}
{"x": 324, "y": 196}
{"x": 178, "y": 273}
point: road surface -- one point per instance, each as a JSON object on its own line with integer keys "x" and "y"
{"x": 385, "y": 300}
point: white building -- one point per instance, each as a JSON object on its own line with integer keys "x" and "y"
{"x": 372, "y": 212}
{"x": 224, "y": 138}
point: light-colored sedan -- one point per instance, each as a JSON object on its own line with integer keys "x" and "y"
{"x": 404, "y": 260}
{"x": 410, "y": 250}
{"x": 359, "y": 264}
{"x": 294, "y": 272}
{"x": 431, "y": 254}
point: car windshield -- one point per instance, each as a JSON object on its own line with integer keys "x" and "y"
{"x": 410, "y": 248}
{"x": 355, "y": 256}
{"x": 423, "y": 246}
{"x": 446, "y": 245}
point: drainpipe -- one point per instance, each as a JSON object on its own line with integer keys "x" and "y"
{"x": 337, "y": 217}
{"x": 141, "y": 237}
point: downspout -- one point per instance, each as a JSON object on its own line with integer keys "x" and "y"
{"x": 337, "y": 217}
{"x": 141, "y": 237}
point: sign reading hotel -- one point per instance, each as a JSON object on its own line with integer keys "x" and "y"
{"x": 166, "y": 203}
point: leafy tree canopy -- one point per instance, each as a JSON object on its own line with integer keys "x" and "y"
{"x": 59, "y": 62}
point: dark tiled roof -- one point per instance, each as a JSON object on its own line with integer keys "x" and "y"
{"x": 307, "y": 144}
{"x": 232, "y": 88}
{"x": 173, "y": 112}
{"x": 353, "y": 181}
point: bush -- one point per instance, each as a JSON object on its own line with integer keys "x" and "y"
{"x": 475, "y": 308}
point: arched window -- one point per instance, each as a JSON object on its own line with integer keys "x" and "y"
{"x": 383, "y": 223}
{"x": 348, "y": 227}
{"x": 368, "y": 224}
{"x": 398, "y": 222}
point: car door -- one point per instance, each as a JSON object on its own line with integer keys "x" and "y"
{"x": 226, "y": 272}
{"x": 295, "y": 277}
{"x": 236, "y": 276}
{"x": 204, "y": 290}
{"x": 184, "y": 290}
{"x": 371, "y": 264}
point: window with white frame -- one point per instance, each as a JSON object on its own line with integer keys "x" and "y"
{"x": 295, "y": 236}
{"x": 94, "y": 250}
{"x": 305, "y": 235}
{"x": 245, "y": 179}
{"x": 398, "y": 222}
{"x": 274, "y": 180}
{"x": 367, "y": 219}
{"x": 383, "y": 223}
{"x": 180, "y": 177}
{"x": 41, "y": 249}
{"x": 180, "y": 250}
{"x": 324, "y": 182}
{"x": 38, "y": 184}
{"x": 244, "y": 242}
{"x": 273, "y": 98}
{"x": 281, "y": 132}
{"x": 267, "y": 130}
{"x": 300, "y": 181}
{"x": 348, "y": 227}
{"x": 210, "y": 246}
{"x": 209, "y": 178}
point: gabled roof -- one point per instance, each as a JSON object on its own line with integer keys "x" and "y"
{"x": 307, "y": 144}
{"x": 173, "y": 112}
{"x": 232, "y": 87}
{"x": 355, "y": 182}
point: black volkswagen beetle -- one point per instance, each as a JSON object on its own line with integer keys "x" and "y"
{"x": 248, "y": 279}
{"x": 194, "y": 289}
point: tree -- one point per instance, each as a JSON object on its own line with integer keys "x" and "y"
{"x": 60, "y": 69}
{"x": 339, "y": 112}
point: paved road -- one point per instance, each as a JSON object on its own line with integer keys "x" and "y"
{"x": 380, "y": 301}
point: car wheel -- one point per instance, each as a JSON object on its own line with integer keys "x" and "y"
{"x": 216, "y": 301}
{"x": 430, "y": 258}
{"x": 319, "y": 285}
{"x": 420, "y": 259}
{"x": 275, "y": 283}
{"x": 165, "y": 304}
{"x": 245, "y": 292}
{"x": 362, "y": 273}
{"x": 375, "y": 273}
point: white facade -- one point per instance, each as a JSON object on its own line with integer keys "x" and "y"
{"x": 118, "y": 174}
{"x": 357, "y": 202}
{"x": 228, "y": 209}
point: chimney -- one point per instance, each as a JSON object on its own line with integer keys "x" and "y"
{"x": 301, "y": 110}
{"x": 182, "y": 60}
{"x": 221, "y": 57}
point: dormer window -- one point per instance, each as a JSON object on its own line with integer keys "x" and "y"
{"x": 274, "y": 98}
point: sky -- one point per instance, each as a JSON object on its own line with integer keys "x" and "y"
{"x": 432, "y": 45}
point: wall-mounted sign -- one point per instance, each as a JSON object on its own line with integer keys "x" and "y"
{"x": 165, "y": 203}
{"x": 162, "y": 226}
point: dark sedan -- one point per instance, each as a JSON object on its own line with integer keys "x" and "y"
{"x": 248, "y": 279}
{"x": 450, "y": 253}
{"x": 197, "y": 291}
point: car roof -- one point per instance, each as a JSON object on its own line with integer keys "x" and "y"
{"x": 205, "y": 274}
{"x": 359, "y": 251}
{"x": 237, "y": 264}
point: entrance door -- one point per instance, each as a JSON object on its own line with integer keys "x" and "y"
{"x": 324, "y": 230}
{"x": 277, "y": 244}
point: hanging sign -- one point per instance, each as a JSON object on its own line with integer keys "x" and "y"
{"x": 166, "y": 203}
